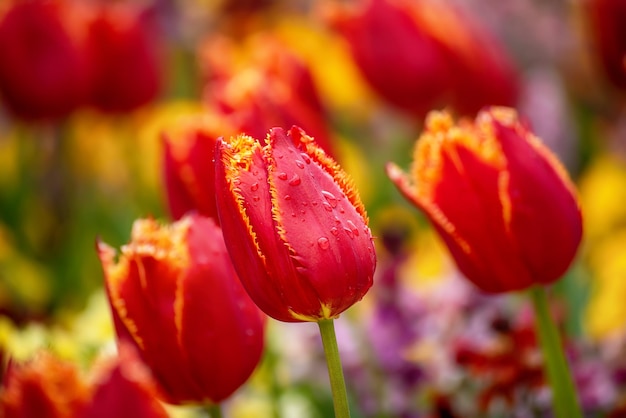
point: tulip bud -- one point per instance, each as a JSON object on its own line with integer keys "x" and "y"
{"x": 275, "y": 88}
{"x": 502, "y": 202}
{"x": 188, "y": 167}
{"x": 607, "y": 19}
{"x": 175, "y": 296}
{"x": 420, "y": 54}
{"x": 124, "y": 389}
{"x": 294, "y": 226}
{"x": 44, "y": 387}
{"x": 44, "y": 71}
{"x": 126, "y": 71}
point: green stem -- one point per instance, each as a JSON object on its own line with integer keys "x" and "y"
{"x": 564, "y": 398}
{"x": 335, "y": 372}
{"x": 213, "y": 410}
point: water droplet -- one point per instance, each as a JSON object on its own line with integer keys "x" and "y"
{"x": 287, "y": 197}
{"x": 293, "y": 214}
{"x": 306, "y": 158}
{"x": 256, "y": 198}
{"x": 327, "y": 206}
{"x": 314, "y": 203}
{"x": 341, "y": 210}
{"x": 302, "y": 212}
{"x": 255, "y": 172}
{"x": 282, "y": 176}
{"x": 295, "y": 180}
{"x": 334, "y": 231}
{"x": 349, "y": 232}
{"x": 300, "y": 164}
{"x": 323, "y": 243}
{"x": 254, "y": 187}
{"x": 353, "y": 227}
{"x": 332, "y": 200}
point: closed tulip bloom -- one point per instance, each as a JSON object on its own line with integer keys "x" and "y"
{"x": 124, "y": 388}
{"x": 125, "y": 58}
{"x": 501, "y": 201}
{"x": 43, "y": 387}
{"x": 606, "y": 18}
{"x": 189, "y": 174}
{"x": 421, "y": 54}
{"x": 176, "y": 297}
{"x": 44, "y": 70}
{"x": 294, "y": 226}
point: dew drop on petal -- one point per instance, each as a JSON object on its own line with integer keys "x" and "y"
{"x": 282, "y": 176}
{"x": 254, "y": 187}
{"x": 256, "y": 198}
{"x": 323, "y": 243}
{"x": 353, "y": 227}
{"x": 334, "y": 231}
{"x": 295, "y": 180}
{"x": 300, "y": 164}
{"x": 327, "y": 206}
{"x": 349, "y": 232}
{"x": 332, "y": 200}
{"x": 287, "y": 197}
{"x": 306, "y": 158}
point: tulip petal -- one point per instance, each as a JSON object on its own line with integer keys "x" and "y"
{"x": 546, "y": 214}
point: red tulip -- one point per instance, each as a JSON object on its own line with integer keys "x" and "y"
{"x": 188, "y": 168}
{"x": 175, "y": 296}
{"x": 44, "y": 387}
{"x": 501, "y": 201}
{"x": 276, "y": 88}
{"x": 422, "y": 54}
{"x": 607, "y": 19}
{"x": 126, "y": 69}
{"x": 44, "y": 71}
{"x": 294, "y": 226}
{"x": 124, "y": 389}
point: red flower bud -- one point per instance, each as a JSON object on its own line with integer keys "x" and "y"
{"x": 501, "y": 201}
{"x": 124, "y": 56}
{"x": 294, "y": 226}
{"x": 275, "y": 88}
{"x": 175, "y": 295}
{"x": 422, "y": 54}
{"x": 44, "y": 387}
{"x": 124, "y": 388}
{"x": 607, "y": 19}
{"x": 189, "y": 173}
{"x": 44, "y": 71}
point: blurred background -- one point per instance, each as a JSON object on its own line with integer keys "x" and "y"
{"x": 102, "y": 104}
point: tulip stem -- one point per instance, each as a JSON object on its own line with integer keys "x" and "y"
{"x": 214, "y": 410}
{"x": 564, "y": 397}
{"x": 335, "y": 372}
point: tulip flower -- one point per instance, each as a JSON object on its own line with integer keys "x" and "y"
{"x": 125, "y": 62}
{"x": 188, "y": 173}
{"x": 508, "y": 212}
{"x": 44, "y": 387}
{"x": 294, "y": 226}
{"x": 124, "y": 388}
{"x": 500, "y": 199}
{"x": 274, "y": 88}
{"x": 606, "y": 18}
{"x": 175, "y": 296}
{"x": 420, "y": 54}
{"x": 44, "y": 71}
{"x": 297, "y": 233}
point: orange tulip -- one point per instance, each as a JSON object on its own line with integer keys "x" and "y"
{"x": 501, "y": 201}
{"x": 175, "y": 296}
{"x": 294, "y": 226}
